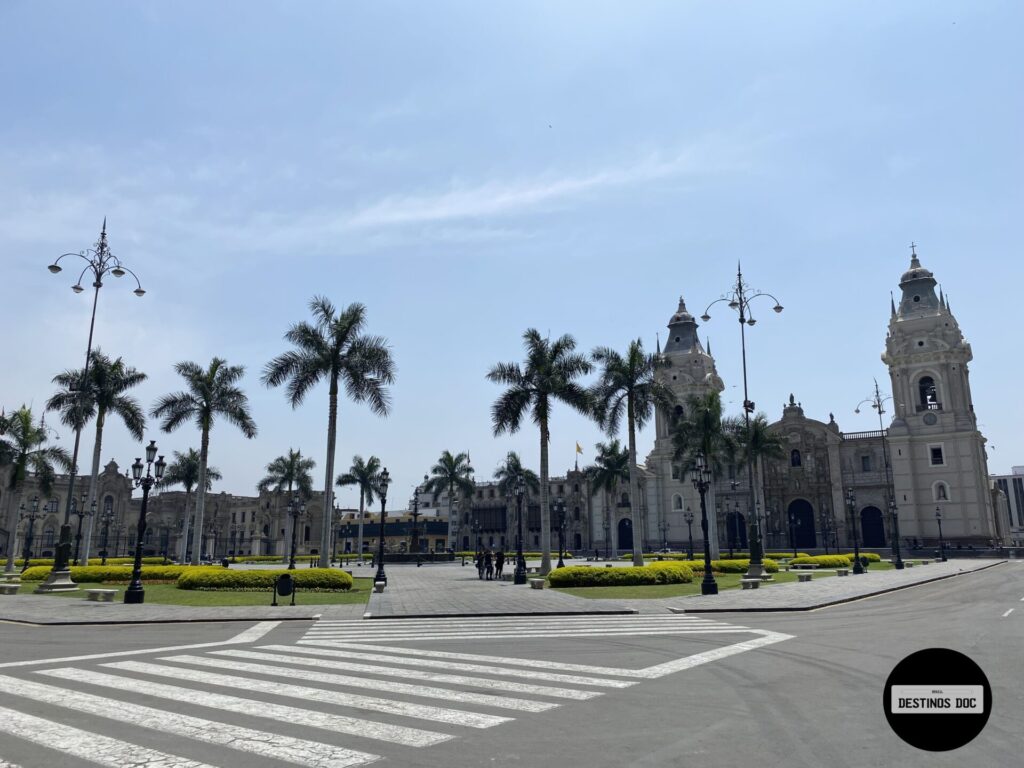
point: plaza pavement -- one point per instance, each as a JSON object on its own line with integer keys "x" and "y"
{"x": 453, "y": 590}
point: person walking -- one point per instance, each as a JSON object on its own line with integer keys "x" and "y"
{"x": 489, "y": 565}
{"x": 480, "y": 565}
{"x": 499, "y": 564}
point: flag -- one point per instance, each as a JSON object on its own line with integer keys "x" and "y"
{"x": 579, "y": 448}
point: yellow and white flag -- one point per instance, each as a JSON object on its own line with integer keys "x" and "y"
{"x": 579, "y": 449}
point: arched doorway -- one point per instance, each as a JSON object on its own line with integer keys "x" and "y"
{"x": 625, "y": 534}
{"x": 736, "y": 530}
{"x": 802, "y": 515}
{"x": 872, "y": 527}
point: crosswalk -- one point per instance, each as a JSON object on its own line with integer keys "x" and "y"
{"x": 346, "y": 694}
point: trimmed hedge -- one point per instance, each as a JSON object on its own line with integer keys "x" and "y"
{"x": 326, "y": 579}
{"x": 511, "y": 553}
{"x": 95, "y": 561}
{"x": 732, "y": 566}
{"x": 825, "y": 561}
{"x": 272, "y": 558}
{"x": 110, "y": 573}
{"x": 657, "y": 573}
{"x": 871, "y": 557}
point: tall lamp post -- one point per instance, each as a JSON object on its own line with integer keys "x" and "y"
{"x": 106, "y": 518}
{"x": 99, "y": 262}
{"x": 296, "y": 509}
{"x": 607, "y": 535}
{"x": 519, "y": 576}
{"x": 135, "y": 593}
{"x": 794, "y": 523}
{"x": 81, "y": 512}
{"x": 739, "y": 298}
{"x": 385, "y": 479}
{"x": 688, "y": 517}
{"x": 31, "y": 515}
{"x": 560, "y": 506}
{"x": 701, "y": 478}
{"x": 414, "y": 543}
{"x": 942, "y": 542}
{"x": 826, "y": 526}
{"x": 877, "y": 402}
{"x": 851, "y": 501}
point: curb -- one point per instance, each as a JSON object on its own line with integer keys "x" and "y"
{"x": 597, "y": 612}
{"x": 137, "y": 622}
{"x": 838, "y": 601}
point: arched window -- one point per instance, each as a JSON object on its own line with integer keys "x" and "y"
{"x": 108, "y": 504}
{"x": 940, "y": 491}
{"x": 624, "y": 501}
{"x": 927, "y": 394}
{"x": 306, "y": 534}
{"x": 52, "y": 506}
{"x": 576, "y": 514}
{"x": 48, "y": 537}
{"x": 794, "y": 458}
{"x": 576, "y": 488}
{"x": 677, "y": 502}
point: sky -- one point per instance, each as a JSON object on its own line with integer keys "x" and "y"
{"x": 470, "y": 170}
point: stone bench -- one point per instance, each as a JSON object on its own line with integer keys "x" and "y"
{"x": 766, "y": 577}
{"x": 507, "y": 576}
{"x": 100, "y": 595}
{"x": 842, "y": 571}
{"x": 533, "y": 569}
{"x": 378, "y": 586}
{"x": 908, "y": 564}
{"x": 9, "y": 588}
{"x": 804, "y": 576}
{"x": 810, "y": 566}
{"x": 536, "y": 583}
{"x": 750, "y": 583}
{"x": 926, "y": 562}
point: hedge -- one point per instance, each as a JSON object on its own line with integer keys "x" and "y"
{"x": 826, "y": 561}
{"x": 511, "y": 553}
{"x": 732, "y": 566}
{"x": 583, "y": 576}
{"x": 95, "y": 561}
{"x": 110, "y": 573}
{"x": 871, "y": 557}
{"x": 327, "y": 579}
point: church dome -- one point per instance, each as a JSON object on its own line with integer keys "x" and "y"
{"x": 681, "y": 315}
{"x": 916, "y": 272}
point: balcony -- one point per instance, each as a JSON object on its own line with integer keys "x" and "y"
{"x": 929, "y": 406}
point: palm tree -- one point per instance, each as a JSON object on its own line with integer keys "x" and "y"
{"x": 334, "y": 347}
{"x": 754, "y": 446}
{"x": 451, "y": 473}
{"x": 549, "y": 374}
{"x": 285, "y": 473}
{"x": 366, "y": 475}
{"x": 511, "y": 471}
{"x": 211, "y": 392}
{"x": 609, "y": 470}
{"x": 103, "y": 393}
{"x": 184, "y": 471}
{"x": 23, "y": 446}
{"x": 630, "y": 383}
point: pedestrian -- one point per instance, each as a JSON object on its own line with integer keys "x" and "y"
{"x": 489, "y": 565}
{"x": 480, "y": 565}
{"x": 596, "y": 555}
{"x": 499, "y": 564}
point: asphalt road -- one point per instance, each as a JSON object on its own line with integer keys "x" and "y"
{"x": 411, "y": 697}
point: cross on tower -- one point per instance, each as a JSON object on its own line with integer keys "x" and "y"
{"x": 913, "y": 246}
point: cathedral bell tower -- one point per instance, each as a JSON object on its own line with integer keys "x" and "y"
{"x": 938, "y": 454}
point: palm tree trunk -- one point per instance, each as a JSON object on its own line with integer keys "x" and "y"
{"x": 451, "y": 539}
{"x": 183, "y": 544}
{"x": 545, "y": 513}
{"x": 12, "y": 528}
{"x": 197, "y": 532}
{"x": 332, "y": 430}
{"x": 359, "y": 537}
{"x": 93, "y": 482}
{"x": 634, "y": 489}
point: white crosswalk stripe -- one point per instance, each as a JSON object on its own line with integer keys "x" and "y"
{"x": 382, "y": 687}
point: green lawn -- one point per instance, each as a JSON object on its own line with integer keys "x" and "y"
{"x": 169, "y": 594}
{"x": 649, "y": 591}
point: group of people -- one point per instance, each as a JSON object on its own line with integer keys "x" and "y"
{"x": 490, "y": 565}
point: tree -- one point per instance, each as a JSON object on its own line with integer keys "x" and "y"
{"x": 451, "y": 473}
{"x": 549, "y": 374}
{"x": 333, "y": 347}
{"x": 609, "y": 470}
{"x": 630, "y": 383}
{"x": 753, "y": 447}
{"x": 365, "y": 475}
{"x": 83, "y": 397}
{"x": 700, "y": 429}
{"x": 289, "y": 472}
{"x": 211, "y": 392}
{"x": 511, "y": 471}
{"x": 184, "y": 471}
{"x": 23, "y": 446}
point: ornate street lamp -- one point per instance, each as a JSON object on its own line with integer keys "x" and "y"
{"x": 794, "y": 523}
{"x": 519, "y": 576}
{"x": 826, "y": 526}
{"x": 877, "y": 402}
{"x": 106, "y": 518}
{"x": 385, "y": 480}
{"x": 701, "y": 478}
{"x": 414, "y": 542}
{"x": 296, "y": 509}
{"x": 942, "y": 542}
{"x": 560, "y": 507}
{"x": 31, "y": 515}
{"x": 99, "y": 262}
{"x": 81, "y": 512}
{"x": 135, "y": 592}
{"x": 851, "y": 501}
{"x": 738, "y": 299}
{"x": 688, "y": 517}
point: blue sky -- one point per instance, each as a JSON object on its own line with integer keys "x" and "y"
{"x": 469, "y": 170}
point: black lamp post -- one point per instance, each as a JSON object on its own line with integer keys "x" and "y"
{"x": 519, "y": 576}
{"x": 106, "y": 518}
{"x": 385, "y": 479}
{"x": 794, "y": 523}
{"x": 942, "y": 542}
{"x": 32, "y": 515}
{"x": 688, "y": 517}
{"x": 607, "y": 535}
{"x": 135, "y": 592}
{"x": 296, "y": 509}
{"x": 335, "y": 517}
{"x": 897, "y": 558}
{"x": 560, "y": 506}
{"x": 99, "y": 262}
{"x": 733, "y": 522}
{"x": 826, "y": 526}
{"x": 701, "y": 478}
{"x": 414, "y": 543}
{"x": 476, "y": 536}
{"x": 851, "y": 500}
{"x": 738, "y": 298}
{"x": 81, "y": 512}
